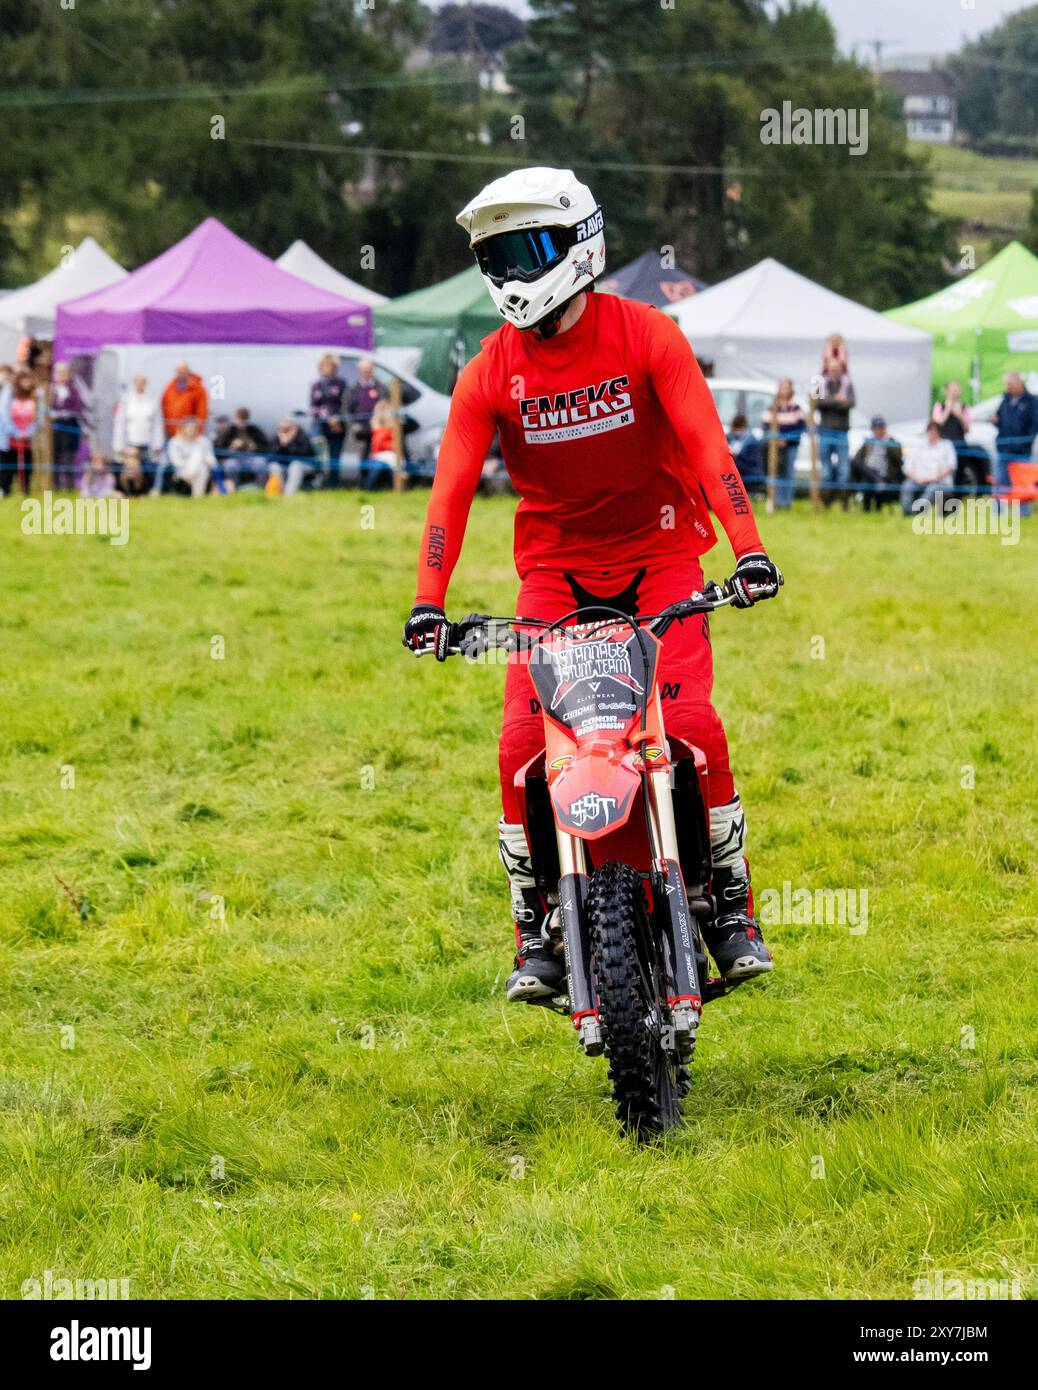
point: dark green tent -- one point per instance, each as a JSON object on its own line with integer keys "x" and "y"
{"x": 447, "y": 321}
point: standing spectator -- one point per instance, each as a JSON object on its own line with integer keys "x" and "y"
{"x": 7, "y": 461}
{"x": 745, "y": 449}
{"x": 241, "y": 447}
{"x": 328, "y": 405}
{"x": 835, "y": 403}
{"x": 1017, "y": 421}
{"x": 789, "y": 422}
{"x": 98, "y": 479}
{"x": 184, "y": 399}
{"x": 952, "y": 415}
{"x": 929, "y": 470}
{"x": 292, "y": 446}
{"x": 191, "y": 460}
{"x": 66, "y": 415}
{"x": 364, "y": 397}
{"x": 878, "y": 466}
{"x": 138, "y": 424}
{"x": 131, "y": 481}
{"x": 23, "y": 427}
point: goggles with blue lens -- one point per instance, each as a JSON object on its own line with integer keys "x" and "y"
{"x": 523, "y": 255}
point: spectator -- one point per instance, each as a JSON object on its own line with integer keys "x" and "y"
{"x": 878, "y": 466}
{"x": 746, "y": 452}
{"x": 241, "y": 447}
{"x": 184, "y": 399}
{"x": 139, "y": 425}
{"x": 98, "y": 479}
{"x": 292, "y": 446}
{"x": 131, "y": 481}
{"x": 364, "y": 397}
{"x": 66, "y": 415}
{"x": 23, "y": 427}
{"x": 835, "y": 403}
{"x": 328, "y": 406}
{"x": 788, "y": 420}
{"x": 382, "y": 446}
{"x": 1017, "y": 422}
{"x": 191, "y": 460}
{"x": 929, "y": 470}
{"x": 952, "y": 415}
{"x": 7, "y": 458}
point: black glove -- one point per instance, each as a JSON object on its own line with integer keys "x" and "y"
{"x": 427, "y": 629}
{"x": 756, "y": 577}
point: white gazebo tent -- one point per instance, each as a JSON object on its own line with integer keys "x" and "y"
{"x": 303, "y": 261}
{"x": 769, "y": 322}
{"x": 31, "y": 311}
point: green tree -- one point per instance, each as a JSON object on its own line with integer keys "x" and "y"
{"x": 996, "y": 79}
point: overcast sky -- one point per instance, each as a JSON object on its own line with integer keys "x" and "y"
{"x": 906, "y": 26}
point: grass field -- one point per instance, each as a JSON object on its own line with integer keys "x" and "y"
{"x": 990, "y": 198}
{"x": 258, "y": 1048}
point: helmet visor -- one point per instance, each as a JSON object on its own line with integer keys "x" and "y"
{"x": 524, "y": 255}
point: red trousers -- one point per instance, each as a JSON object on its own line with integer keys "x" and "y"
{"x": 686, "y": 675}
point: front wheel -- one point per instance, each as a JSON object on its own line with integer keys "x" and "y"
{"x": 648, "y": 1081}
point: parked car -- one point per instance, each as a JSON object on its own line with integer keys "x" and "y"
{"x": 272, "y": 381}
{"x": 753, "y": 399}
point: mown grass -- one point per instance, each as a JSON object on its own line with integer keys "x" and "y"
{"x": 280, "y": 951}
{"x": 989, "y": 197}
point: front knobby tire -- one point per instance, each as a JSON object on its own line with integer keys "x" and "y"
{"x": 648, "y": 1082}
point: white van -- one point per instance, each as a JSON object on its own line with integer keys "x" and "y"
{"x": 271, "y": 382}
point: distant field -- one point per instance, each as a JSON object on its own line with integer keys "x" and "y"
{"x": 991, "y": 197}
{"x": 258, "y": 1048}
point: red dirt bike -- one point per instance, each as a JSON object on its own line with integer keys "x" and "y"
{"x": 617, "y": 820}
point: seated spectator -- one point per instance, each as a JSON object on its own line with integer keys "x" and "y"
{"x": 131, "y": 480}
{"x": 138, "y": 424}
{"x": 790, "y": 422}
{"x": 241, "y": 447}
{"x": 929, "y": 470}
{"x": 291, "y": 447}
{"x": 191, "y": 460}
{"x": 98, "y": 479}
{"x": 878, "y": 467}
{"x": 382, "y": 439}
{"x": 746, "y": 453}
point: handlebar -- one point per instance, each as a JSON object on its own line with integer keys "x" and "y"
{"x": 480, "y": 633}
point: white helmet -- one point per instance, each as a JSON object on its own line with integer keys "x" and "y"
{"x": 538, "y": 239}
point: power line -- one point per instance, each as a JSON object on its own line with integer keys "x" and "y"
{"x": 509, "y": 161}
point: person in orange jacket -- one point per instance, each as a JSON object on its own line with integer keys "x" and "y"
{"x": 185, "y": 397}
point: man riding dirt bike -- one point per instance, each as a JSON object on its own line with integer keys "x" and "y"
{"x": 611, "y": 438}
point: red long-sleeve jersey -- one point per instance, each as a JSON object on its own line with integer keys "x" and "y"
{"x": 611, "y": 438}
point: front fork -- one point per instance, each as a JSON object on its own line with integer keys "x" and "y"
{"x": 671, "y": 906}
{"x": 684, "y": 995}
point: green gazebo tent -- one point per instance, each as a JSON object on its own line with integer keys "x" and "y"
{"x": 983, "y": 325}
{"x": 446, "y": 321}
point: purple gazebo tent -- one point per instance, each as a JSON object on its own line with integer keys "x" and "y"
{"x": 212, "y": 287}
